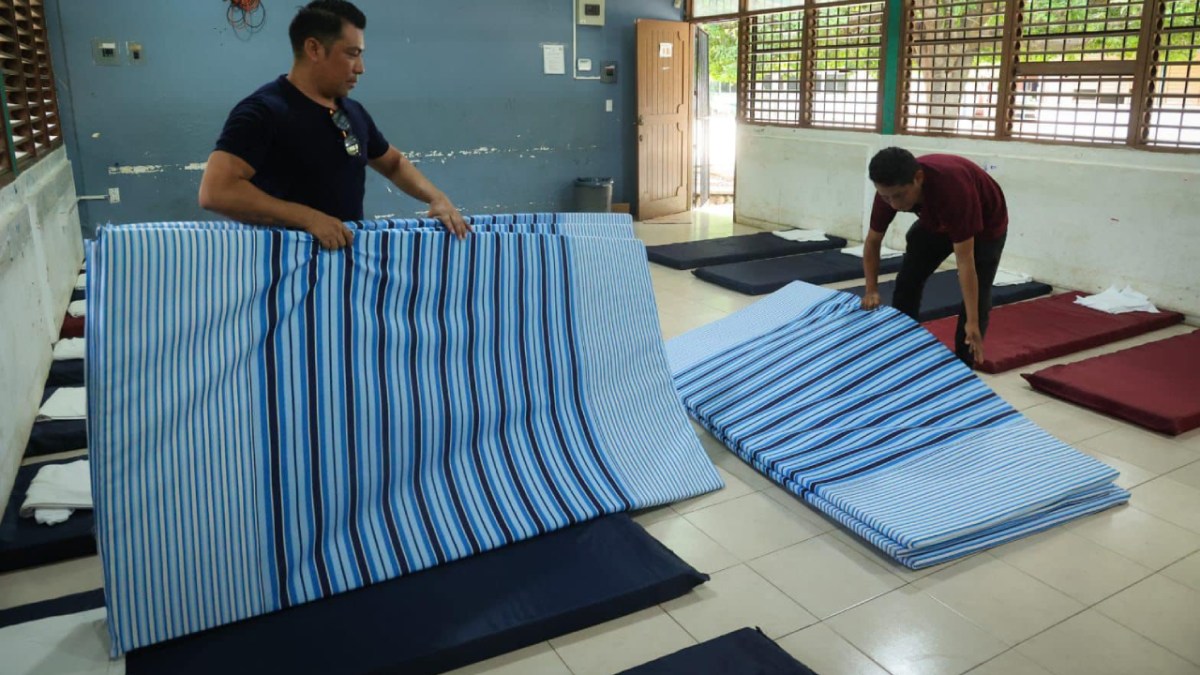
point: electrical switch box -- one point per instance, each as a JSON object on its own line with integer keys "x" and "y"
{"x": 106, "y": 52}
{"x": 608, "y": 72}
{"x": 590, "y": 12}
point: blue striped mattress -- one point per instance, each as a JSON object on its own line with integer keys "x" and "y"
{"x": 873, "y": 422}
{"x": 272, "y": 423}
{"x": 611, "y": 225}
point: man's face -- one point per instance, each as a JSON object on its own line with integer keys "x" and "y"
{"x": 339, "y": 66}
{"x": 902, "y": 197}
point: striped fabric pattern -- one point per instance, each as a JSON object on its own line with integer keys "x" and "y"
{"x": 271, "y": 423}
{"x": 872, "y": 421}
{"x": 609, "y": 225}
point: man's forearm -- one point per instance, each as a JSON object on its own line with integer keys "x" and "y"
{"x": 414, "y": 183}
{"x": 245, "y": 202}
{"x": 969, "y": 282}
{"x": 871, "y": 248}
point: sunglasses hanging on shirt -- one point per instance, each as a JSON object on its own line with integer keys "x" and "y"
{"x": 343, "y": 123}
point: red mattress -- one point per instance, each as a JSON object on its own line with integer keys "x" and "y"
{"x": 1152, "y": 385}
{"x": 72, "y": 327}
{"x": 1046, "y": 328}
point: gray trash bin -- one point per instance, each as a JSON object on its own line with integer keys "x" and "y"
{"x": 593, "y": 195}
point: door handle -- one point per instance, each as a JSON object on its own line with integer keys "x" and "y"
{"x": 640, "y": 121}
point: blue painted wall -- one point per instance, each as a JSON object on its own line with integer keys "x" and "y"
{"x": 456, "y": 84}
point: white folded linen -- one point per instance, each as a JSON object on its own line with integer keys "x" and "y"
{"x": 800, "y": 235}
{"x": 81, "y": 281}
{"x": 66, "y": 403}
{"x": 884, "y": 252}
{"x": 77, "y": 308}
{"x": 1006, "y": 278}
{"x": 70, "y": 348}
{"x": 56, "y": 491}
{"x": 1118, "y": 301}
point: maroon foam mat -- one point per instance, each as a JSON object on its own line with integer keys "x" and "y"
{"x": 1154, "y": 385}
{"x": 1046, "y": 328}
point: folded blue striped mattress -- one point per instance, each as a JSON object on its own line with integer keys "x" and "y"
{"x": 873, "y": 422}
{"x": 271, "y": 423}
{"x": 611, "y": 225}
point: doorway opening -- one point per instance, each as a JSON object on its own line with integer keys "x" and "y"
{"x": 715, "y": 132}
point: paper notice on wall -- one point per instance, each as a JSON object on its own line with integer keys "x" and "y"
{"x": 554, "y": 61}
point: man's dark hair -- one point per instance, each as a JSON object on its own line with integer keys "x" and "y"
{"x": 893, "y": 166}
{"x": 323, "y": 19}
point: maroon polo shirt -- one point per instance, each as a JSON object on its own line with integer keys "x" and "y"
{"x": 958, "y": 199}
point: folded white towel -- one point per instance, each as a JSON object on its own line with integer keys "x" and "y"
{"x": 1116, "y": 301}
{"x": 884, "y": 252}
{"x": 77, "y": 308}
{"x": 800, "y": 235}
{"x": 81, "y": 281}
{"x": 1006, "y": 278}
{"x": 66, "y": 403}
{"x": 70, "y": 348}
{"x": 56, "y": 491}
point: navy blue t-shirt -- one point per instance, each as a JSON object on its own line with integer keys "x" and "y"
{"x": 298, "y": 153}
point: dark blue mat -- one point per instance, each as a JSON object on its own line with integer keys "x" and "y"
{"x": 50, "y": 436}
{"x": 24, "y": 543}
{"x": 65, "y": 373}
{"x": 448, "y": 616}
{"x": 689, "y": 254}
{"x": 68, "y": 604}
{"x": 943, "y": 296}
{"x": 742, "y": 652}
{"x": 757, "y": 277}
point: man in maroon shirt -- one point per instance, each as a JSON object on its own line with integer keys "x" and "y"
{"x": 959, "y": 209}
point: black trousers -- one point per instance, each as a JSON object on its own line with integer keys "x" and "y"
{"x": 926, "y": 251}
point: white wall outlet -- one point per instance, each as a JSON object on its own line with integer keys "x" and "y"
{"x": 584, "y": 65}
{"x": 114, "y": 195}
{"x": 608, "y": 105}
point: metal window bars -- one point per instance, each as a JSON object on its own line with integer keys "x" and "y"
{"x": 1074, "y": 70}
{"x": 31, "y": 106}
{"x": 1171, "y": 117}
{"x": 817, "y": 66}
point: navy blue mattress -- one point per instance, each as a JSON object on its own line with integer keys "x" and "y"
{"x": 942, "y": 296}
{"x": 50, "y": 436}
{"x": 65, "y": 373}
{"x": 68, "y": 604}
{"x": 690, "y": 254}
{"x": 24, "y": 543}
{"x": 448, "y": 616}
{"x": 742, "y": 652}
{"x": 758, "y": 277}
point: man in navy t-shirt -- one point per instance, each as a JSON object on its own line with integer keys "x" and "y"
{"x": 295, "y": 152}
{"x": 960, "y": 210}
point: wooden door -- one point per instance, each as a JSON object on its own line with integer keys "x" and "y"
{"x": 664, "y": 104}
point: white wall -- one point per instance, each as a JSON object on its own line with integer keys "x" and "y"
{"x": 40, "y": 254}
{"x": 1081, "y": 218}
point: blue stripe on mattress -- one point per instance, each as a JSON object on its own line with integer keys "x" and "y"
{"x": 756, "y": 277}
{"x": 449, "y": 616}
{"x": 943, "y": 295}
{"x": 742, "y": 652}
{"x": 24, "y": 543}
{"x": 285, "y": 423}
{"x": 872, "y": 421}
{"x": 689, "y": 254}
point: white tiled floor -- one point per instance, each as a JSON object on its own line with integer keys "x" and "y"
{"x": 1118, "y": 592}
